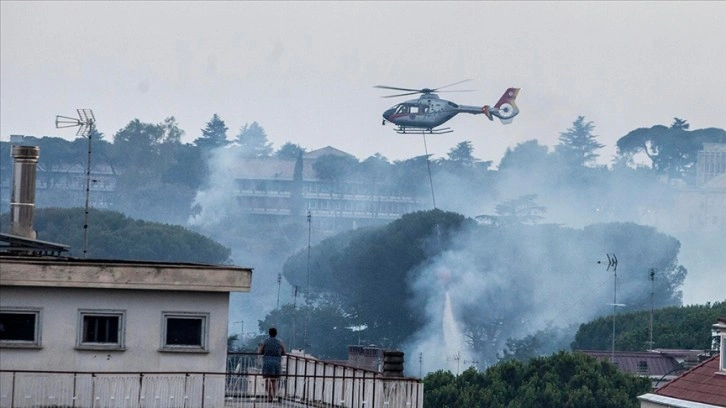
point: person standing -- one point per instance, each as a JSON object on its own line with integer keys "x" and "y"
{"x": 272, "y": 351}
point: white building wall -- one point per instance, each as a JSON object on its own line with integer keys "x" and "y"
{"x": 143, "y": 329}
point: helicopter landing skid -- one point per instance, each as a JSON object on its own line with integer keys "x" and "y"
{"x": 410, "y": 130}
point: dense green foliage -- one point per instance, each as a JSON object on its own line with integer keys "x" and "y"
{"x": 671, "y": 150}
{"x": 389, "y": 293}
{"x": 561, "y": 380}
{"x": 112, "y": 235}
{"x": 687, "y": 327}
{"x": 373, "y": 288}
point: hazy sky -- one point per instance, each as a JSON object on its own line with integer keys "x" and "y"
{"x": 305, "y": 70}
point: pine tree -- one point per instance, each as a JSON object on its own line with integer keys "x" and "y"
{"x": 214, "y": 135}
{"x": 578, "y": 144}
{"x": 253, "y": 140}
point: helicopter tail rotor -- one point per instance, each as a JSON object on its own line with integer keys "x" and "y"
{"x": 505, "y": 109}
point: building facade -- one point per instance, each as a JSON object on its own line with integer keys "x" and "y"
{"x": 277, "y": 188}
{"x": 91, "y": 315}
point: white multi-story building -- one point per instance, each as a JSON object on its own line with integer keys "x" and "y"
{"x": 95, "y": 315}
{"x": 270, "y": 187}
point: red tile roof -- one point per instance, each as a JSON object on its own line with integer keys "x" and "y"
{"x": 703, "y": 383}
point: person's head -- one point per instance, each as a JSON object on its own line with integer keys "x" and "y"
{"x": 272, "y": 331}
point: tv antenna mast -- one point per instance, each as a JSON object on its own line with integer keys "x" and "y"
{"x": 86, "y": 123}
{"x": 613, "y": 264}
{"x": 652, "y": 294}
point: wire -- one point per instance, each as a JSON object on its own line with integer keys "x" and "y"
{"x": 428, "y": 164}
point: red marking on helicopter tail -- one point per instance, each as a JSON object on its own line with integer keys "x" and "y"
{"x": 509, "y": 96}
{"x": 488, "y": 114}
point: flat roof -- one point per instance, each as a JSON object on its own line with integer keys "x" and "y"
{"x": 46, "y": 271}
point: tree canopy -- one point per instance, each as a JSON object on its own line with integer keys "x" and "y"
{"x": 560, "y": 380}
{"x": 687, "y": 327}
{"x": 289, "y": 151}
{"x": 578, "y": 145}
{"x": 112, "y": 235}
{"x": 672, "y": 150}
{"x": 386, "y": 277}
{"x": 213, "y": 135}
{"x": 252, "y": 139}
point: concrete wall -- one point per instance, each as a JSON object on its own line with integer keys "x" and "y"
{"x": 143, "y": 329}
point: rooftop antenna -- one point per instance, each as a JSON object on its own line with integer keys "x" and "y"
{"x": 613, "y": 264}
{"x": 294, "y": 315}
{"x": 420, "y": 363}
{"x": 652, "y": 295}
{"x": 456, "y": 357}
{"x": 241, "y": 331}
{"x": 86, "y": 126}
{"x": 307, "y": 285}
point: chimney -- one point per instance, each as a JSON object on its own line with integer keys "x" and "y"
{"x": 22, "y": 201}
{"x": 393, "y": 363}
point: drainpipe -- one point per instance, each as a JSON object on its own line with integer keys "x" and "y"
{"x": 22, "y": 202}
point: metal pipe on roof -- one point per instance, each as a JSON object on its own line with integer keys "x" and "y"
{"x": 22, "y": 202}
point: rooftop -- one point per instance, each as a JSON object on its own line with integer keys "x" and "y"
{"x": 651, "y": 363}
{"x": 702, "y": 384}
{"x": 20, "y": 270}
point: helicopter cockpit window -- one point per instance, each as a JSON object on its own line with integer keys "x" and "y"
{"x": 406, "y": 109}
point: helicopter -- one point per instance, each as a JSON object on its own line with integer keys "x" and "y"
{"x": 428, "y": 112}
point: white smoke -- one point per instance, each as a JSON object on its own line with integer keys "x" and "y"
{"x": 213, "y": 202}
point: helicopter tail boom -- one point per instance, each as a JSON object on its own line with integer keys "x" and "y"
{"x": 505, "y": 109}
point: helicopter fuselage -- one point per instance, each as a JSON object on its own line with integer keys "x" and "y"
{"x": 427, "y": 112}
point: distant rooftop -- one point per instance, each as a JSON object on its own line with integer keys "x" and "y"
{"x": 650, "y": 363}
{"x": 14, "y": 244}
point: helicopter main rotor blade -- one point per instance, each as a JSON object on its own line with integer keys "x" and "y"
{"x": 411, "y": 91}
{"x": 457, "y": 90}
{"x": 455, "y": 83}
{"x": 397, "y": 89}
{"x": 403, "y": 94}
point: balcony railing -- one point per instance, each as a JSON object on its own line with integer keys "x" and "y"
{"x": 304, "y": 382}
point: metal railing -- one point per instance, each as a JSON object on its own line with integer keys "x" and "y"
{"x": 304, "y": 383}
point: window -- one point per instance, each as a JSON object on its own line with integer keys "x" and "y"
{"x": 101, "y": 329}
{"x": 723, "y": 357}
{"x": 184, "y": 331}
{"x": 19, "y": 327}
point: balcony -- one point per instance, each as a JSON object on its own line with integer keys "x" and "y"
{"x": 305, "y": 383}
